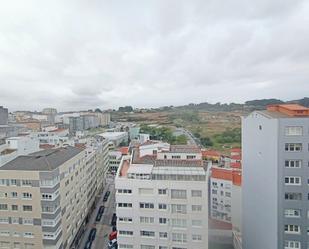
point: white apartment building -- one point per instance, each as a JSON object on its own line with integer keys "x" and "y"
{"x": 117, "y": 138}
{"x": 47, "y": 197}
{"x": 17, "y": 146}
{"x": 162, "y": 204}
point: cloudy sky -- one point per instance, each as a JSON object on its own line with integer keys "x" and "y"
{"x": 98, "y": 53}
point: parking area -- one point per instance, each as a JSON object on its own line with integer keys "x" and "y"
{"x": 103, "y": 227}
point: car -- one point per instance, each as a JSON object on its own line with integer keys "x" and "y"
{"x": 88, "y": 245}
{"x": 92, "y": 234}
{"x": 114, "y": 220}
{"x": 113, "y": 244}
{"x": 100, "y": 213}
{"x": 107, "y": 193}
{"x": 105, "y": 198}
{"x": 112, "y": 235}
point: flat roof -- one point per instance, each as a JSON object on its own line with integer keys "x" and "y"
{"x": 184, "y": 149}
{"x": 45, "y": 160}
{"x": 179, "y": 170}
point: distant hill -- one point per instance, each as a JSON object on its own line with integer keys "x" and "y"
{"x": 250, "y": 105}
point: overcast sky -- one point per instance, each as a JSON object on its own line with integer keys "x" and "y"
{"x": 96, "y": 53}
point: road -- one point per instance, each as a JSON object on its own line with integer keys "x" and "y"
{"x": 103, "y": 227}
{"x": 191, "y": 139}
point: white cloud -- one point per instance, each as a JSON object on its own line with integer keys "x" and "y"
{"x": 85, "y": 54}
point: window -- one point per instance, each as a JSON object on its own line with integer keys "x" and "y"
{"x": 147, "y": 220}
{"x": 146, "y": 205}
{"x": 28, "y": 235}
{"x": 162, "y": 206}
{"x": 124, "y": 191}
{"x": 228, "y": 194}
{"x": 47, "y": 196}
{"x": 292, "y": 229}
{"x": 27, "y": 221}
{"x": 290, "y": 244}
{"x": 13, "y": 182}
{"x": 125, "y": 205}
{"x": 147, "y": 233}
{"x": 293, "y": 163}
{"x": 180, "y": 223}
{"x": 3, "y": 195}
{"x": 163, "y": 247}
{"x": 147, "y": 247}
{"x": 179, "y": 237}
{"x": 14, "y": 194}
{"x": 27, "y": 195}
{"x": 27, "y": 183}
{"x": 125, "y": 246}
{"x": 163, "y": 235}
{"x": 197, "y": 223}
{"x": 162, "y": 191}
{"x": 14, "y": 208}
{"x": 292, "y": 213}
{"x": 196, "y": 208}
{"x": 292, "y": 180}
{"x": 175, "y": 157}
{"x": 4, "y": 220}
{"x": 27, "y": 208}
{"x": 162, "y": 221}
{"x": 15, "y": 220}
{"x": 293, "y": 147}
{"x": 196, "y": 193}
{"x": 294, "y": 131}
{"x": 125, "y": 233}
{"x": 179, "y": 208}
{"x": 3, "y": 206}
{"x": 191, "y": 157}
{"x": 178, "y": 194}
{"x": 196, "y": 237}
{"x": 293, "y": 196}
{"x": 125, "y": 219}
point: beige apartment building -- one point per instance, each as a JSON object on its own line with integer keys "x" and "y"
{"x": 46, "y": 197}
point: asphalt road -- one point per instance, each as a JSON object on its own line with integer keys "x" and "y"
{"x": 103, "y": 227}
{"x": 191, "y": 139}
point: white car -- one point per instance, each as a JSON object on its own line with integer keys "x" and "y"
{"x": 113, "y": 244}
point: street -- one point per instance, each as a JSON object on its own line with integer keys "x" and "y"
{"x": 191, "y": 139}
{"x": 103, "y": 227}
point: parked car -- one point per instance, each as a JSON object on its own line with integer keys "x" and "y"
{"x": 92, "y": 234}
{"x": 114, "y": 220}
{"x": 114, "y": 228}
{"x": 112, "y": 235}
{"x": 107, "y": 193}
{"x": 88, "y": 245}
{"x": 113, "y": 244}
{"x": 100, "y": 213}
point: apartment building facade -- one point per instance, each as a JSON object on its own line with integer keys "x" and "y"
{"x": 275, "y": 178}
{"x": 163, "y": 204}
{"x": 46, "y": 197}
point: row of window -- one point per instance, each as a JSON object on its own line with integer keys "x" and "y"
{"x": 5, "y": 207}
{"x": 6, "y": 233}
{"x": 129, "y": 246}
{"x": 24, "y": 195}
{"x": 175, "y": 194}
{"x": 175, "y": 237}
{"x": 175, "y": 208}
{"x": 16, "y": 245}
{"x": 14, "y": 182}
{"x": 175, "y": 222}
{"x": 15, "y": 220}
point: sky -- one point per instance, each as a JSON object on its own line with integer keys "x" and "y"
{"x": 76, "y": 54}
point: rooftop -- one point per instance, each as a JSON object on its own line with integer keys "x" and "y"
{"x": 178, "y": 163}
{"x": 185, "y": 149}
{"x": 46, "y": 160}
{"x": 286, "y": 110}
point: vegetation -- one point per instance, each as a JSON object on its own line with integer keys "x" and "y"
{"x": 206, "y": 142}
{"x": 229, "y": 136}
{"x": 125, "y": 109}
{"x": 163, "y": 133}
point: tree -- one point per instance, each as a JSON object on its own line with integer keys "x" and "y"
{"x": 97, "y": 110}
{"x": 126, "y": 109}
{"x": 206, "y": 141}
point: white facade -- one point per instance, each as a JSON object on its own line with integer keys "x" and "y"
{"x": 116, "y": 137}
{"x": 114, "y": 160}
{"x": 149, "y": 149}
{"x": 236, "y": 216}
{"x": 161, "y": 206}
{"x": 221, "y": 199}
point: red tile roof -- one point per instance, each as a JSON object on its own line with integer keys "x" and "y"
{"x": 46, "y": 146}
{"x": 210, "y": 153}
{"x": 124, "y": 150}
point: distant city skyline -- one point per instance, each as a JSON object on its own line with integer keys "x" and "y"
{"x": 81, "y": 55}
